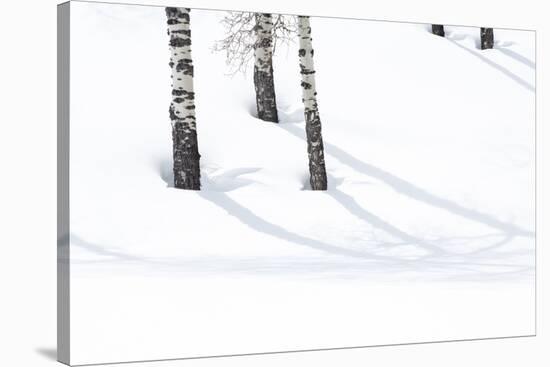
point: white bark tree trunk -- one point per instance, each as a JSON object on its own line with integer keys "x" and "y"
{"x": 316, "y": 155}
{"x": 263, "y": 68}
{"x": 487, "y": 38}
{"x": 182, "y": 108}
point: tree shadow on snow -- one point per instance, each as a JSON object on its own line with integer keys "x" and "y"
{"x": 351, "y": 205}
{"x": 516, "y": 56}
{"x": 437, "y": 261}
{"x": 103, "y": 251}
{"x": 474, "y": 263}
{"x": 409, "y": 189}
{"x": 350, "y": 263}
{"x": 496, "y": 66}
{"x": 471, "y": 264}
{"x": 354, "y": 264}
{"x": 248, "y": 218}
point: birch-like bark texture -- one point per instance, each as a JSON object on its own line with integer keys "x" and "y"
{"x": 263, "y": 68}
{"x": 182, "y": 108}
{"x": 316, "y": 155}
{"x": 438, "y": 30}
{"x": 487, "y": 38}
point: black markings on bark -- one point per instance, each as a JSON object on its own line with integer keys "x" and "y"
{"x": 265, "y": 95}
{"x": 487, "y": 38}
{"x": 264, "y": 85}
{"x": 438, "y": 30}
{"x": 173, "y": 113}
{"x": 185, "y": 65}
{"x": 186, "y": 156}
{"x": 182, "y": 92}
{"x": 315, "y": 150}
{"x": 175, "y": 15}
{"x": 265, "y": 42}
{"x": 185, "y": 151}
{"x": 314, "y": 137}
{"x": 180, "y": 42}
{"x": 305, "y": 71}
{"x": 185, "y": 32}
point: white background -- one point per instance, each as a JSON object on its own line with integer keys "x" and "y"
{"x": 28, "y": 183}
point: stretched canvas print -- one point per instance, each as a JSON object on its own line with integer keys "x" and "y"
{"x": 236, "y": 182}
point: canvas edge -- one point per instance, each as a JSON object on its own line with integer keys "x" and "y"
{"x": 63, "y": 218}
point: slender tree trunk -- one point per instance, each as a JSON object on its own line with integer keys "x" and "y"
{"x": 487, "y": 38}
{"x": 182, "y": 109}
{"x": 316, "y": 155}
{"x": 263, "y": 69}
{"x": 438, "y": 30}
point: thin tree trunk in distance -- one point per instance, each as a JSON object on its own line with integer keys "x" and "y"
{"x": 316, "y": 155}
{"x": 487, "y": 38}
{"x": 263, "y": 69}
{"x": 182, "y": 108}
{"x": 438, "y": 30}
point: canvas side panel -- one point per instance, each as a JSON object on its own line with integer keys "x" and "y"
{"x": 63, "y": 250}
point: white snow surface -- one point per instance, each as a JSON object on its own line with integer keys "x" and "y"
{"x": 427, "y": 231}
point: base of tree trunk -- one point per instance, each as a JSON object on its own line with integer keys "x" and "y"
{"x": 487, "y": 38}
{"x": 186, "y": 157}
{"x": 318, "y": 182}
{"x": 316, "y": 151}
{"x": 265, "y": 95}
{"x": 438, "y": 30}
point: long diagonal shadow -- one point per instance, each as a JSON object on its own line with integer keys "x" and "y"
{"x": 247, "y": 217}
{"x": 498, "y": 67}
{"x": 518, "y": 57}
{"x": 100, "y": 250}
{"x": 354, "y": 208}
{"x": 406, "y": 188}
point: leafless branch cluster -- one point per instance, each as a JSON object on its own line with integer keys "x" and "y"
{"x": 240, "y": 38}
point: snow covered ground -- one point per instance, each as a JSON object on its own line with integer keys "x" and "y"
{"x": 427, "y": 231}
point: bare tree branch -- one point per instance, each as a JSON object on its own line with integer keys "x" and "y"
{"x": 240, "y": 39}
